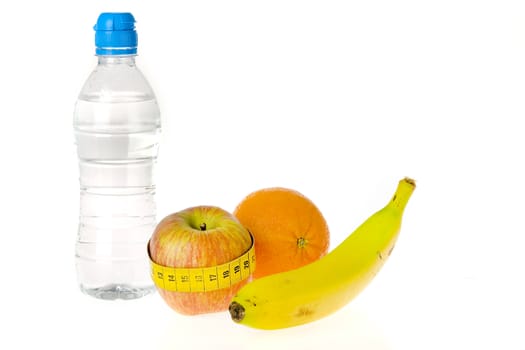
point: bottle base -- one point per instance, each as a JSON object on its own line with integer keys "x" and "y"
{"x": 118, "y": 291}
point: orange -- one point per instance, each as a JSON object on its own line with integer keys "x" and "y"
{"x": 289, "y": 230}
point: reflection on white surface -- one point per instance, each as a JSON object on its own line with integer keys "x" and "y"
{"x": 350, "y": 328}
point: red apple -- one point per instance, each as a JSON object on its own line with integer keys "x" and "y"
{"x": 203, "y": 236}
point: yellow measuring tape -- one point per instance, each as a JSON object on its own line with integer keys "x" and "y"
{"x": 204, "y": 279}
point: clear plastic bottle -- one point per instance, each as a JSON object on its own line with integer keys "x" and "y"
{"x": 117, "y": 128}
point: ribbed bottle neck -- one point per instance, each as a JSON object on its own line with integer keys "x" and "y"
{"x": 116, "y": 59}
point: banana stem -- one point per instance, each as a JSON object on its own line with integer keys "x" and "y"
{"x": 403, "y": 192}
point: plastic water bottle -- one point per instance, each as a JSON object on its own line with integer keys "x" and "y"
{"x": 117, "y": 128}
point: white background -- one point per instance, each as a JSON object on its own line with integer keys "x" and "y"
{"x": 336, "y": 99}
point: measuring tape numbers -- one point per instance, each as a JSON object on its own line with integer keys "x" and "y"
{"x": 204, "y": 279}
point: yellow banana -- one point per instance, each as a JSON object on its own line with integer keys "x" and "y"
{"x": 318, "y": 289}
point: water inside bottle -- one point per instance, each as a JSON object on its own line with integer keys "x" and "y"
{"x": 117, "y": 206}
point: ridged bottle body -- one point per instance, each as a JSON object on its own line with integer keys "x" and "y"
{"x": 117, "y": 128}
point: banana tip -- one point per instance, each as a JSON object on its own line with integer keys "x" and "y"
{"x": 236, "y": 311}
{"x": 410, "y": 181}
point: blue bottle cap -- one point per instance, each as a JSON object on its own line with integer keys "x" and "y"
{"x": 115, "y": 34}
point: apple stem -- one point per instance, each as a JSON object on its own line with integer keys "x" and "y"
{"x": 203, "y": 226}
